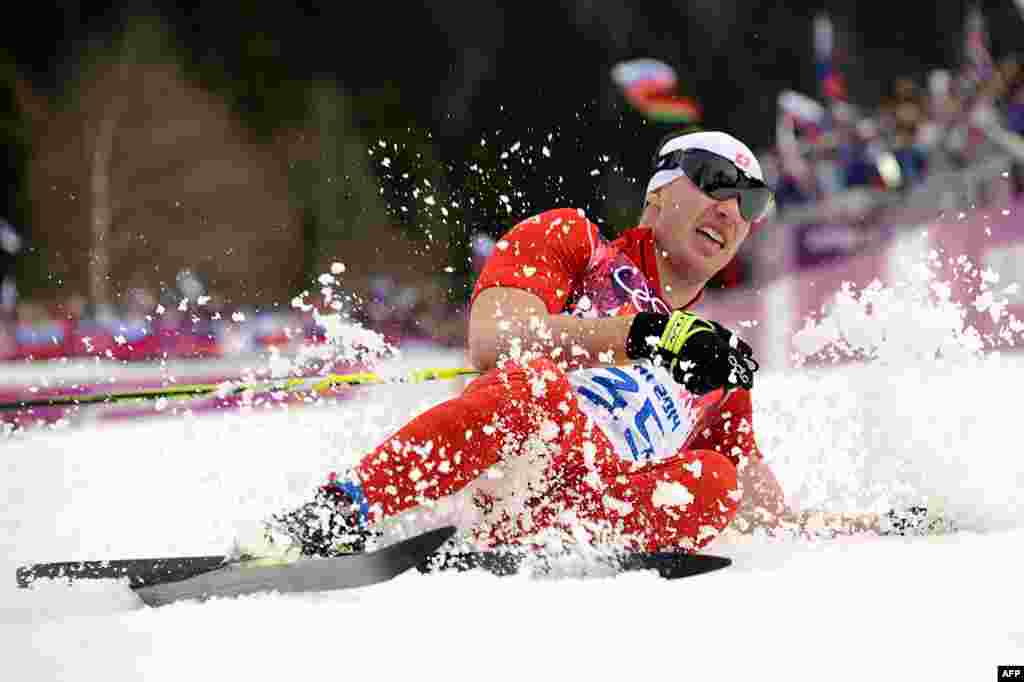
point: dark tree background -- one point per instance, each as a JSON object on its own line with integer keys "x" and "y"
{"x": 456, "y": 82}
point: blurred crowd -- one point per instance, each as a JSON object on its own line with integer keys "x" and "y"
{"x": 146, "y": 326}
{"x": 142, "y": 328}
{"x": 922, "y": 127}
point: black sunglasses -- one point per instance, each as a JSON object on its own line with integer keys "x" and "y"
{"x": 720, "y": 179}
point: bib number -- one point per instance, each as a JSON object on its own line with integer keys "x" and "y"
{"x": 641, "y": 410}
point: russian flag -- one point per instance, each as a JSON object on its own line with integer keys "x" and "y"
{"x": 650, "y": 86}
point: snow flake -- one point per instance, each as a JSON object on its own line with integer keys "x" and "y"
{"x": 548, "y": 431}
{"x": 671, "y": 494}
{"x": 620, "y": 507}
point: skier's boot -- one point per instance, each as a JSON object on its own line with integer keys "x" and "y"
{"x": 332, "y": 524}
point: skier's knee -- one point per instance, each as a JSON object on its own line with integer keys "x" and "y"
{"x": 717, "y": 496}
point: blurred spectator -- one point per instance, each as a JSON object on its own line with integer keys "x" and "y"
{"x": 942, "y": 111}
{"x": 10, "y": 247}
{"x": 857, "y": 157}
{"x": 481, "y": 246}
{"x": 905, "y": 112}
{"x": 1015, "y": 122}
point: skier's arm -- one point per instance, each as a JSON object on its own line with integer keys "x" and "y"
{"x": 506, "y": 321}
{"x": 526, "y": 284}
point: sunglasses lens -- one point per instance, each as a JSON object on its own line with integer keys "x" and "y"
{"x": 720, "y": 179}
{"x": 754, "y": 203}
{"x": 710, "y": 172}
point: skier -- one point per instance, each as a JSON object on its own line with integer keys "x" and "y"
{"x": 605, "y": 407}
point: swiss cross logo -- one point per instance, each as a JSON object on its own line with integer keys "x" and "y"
{"x": 742, "y": 160}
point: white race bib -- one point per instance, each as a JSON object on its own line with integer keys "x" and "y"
{"x": 644, "y": 413}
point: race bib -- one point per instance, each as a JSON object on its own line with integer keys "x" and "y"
{"x": 645, "y": 414}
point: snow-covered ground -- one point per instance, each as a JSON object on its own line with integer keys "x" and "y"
{"x": 947, "y": 608}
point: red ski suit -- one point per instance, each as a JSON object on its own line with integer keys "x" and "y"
{"x": 681, "y": 499}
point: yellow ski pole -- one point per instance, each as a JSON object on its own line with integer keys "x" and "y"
{"x": 185, "y": 391}
{"x": 416, "y": 376}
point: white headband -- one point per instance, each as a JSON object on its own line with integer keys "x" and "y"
{"x": 723, "y": 144}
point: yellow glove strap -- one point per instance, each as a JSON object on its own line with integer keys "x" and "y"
{"x": 680, "y": 328}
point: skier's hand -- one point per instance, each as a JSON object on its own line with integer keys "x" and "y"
{"x": 701, "y": 355}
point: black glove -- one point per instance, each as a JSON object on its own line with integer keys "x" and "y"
{"x": 701, "y": 355}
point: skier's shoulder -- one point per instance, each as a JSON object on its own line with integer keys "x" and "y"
{"x": 557, "y": 225}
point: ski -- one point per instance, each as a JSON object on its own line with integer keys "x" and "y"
{"x": 138, "y": 572}
{"x": 166, "y": 580}
{"x": 163, "y": 581}
{"x": 668, "y": 565}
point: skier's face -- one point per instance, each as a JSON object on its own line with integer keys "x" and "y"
{"x": 696, "y": 234}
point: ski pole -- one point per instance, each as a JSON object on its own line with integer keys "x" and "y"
{"x": 185, "y": 391}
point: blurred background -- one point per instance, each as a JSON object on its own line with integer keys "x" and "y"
{"x": 174, "y": 175}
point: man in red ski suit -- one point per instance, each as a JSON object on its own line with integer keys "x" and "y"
{"x": 634, "y": 417}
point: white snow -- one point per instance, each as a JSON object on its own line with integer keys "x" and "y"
{"x": 946, "y": 608}
{"x": 667, "y": 494}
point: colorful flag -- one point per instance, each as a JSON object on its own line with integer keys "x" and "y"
{"x": 650, "y": 86}
{"x": 830, "y": 80}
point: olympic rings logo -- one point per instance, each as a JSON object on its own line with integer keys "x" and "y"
{"x": 641, "y": 297}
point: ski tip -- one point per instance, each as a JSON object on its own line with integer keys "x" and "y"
{"x": 674, "y": 565}
{"x": 23, "y": 576}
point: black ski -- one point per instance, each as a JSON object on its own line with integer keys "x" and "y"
{"x": 669, "y": 565}
{"x": 167, "y": 580}
{"x": 138, "y": 572}
{"x": 164, "y": 580}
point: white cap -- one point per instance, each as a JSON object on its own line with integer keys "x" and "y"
{"x": 723, "y": 144}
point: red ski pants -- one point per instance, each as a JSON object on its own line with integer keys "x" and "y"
{"x": 682, "y": 501}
